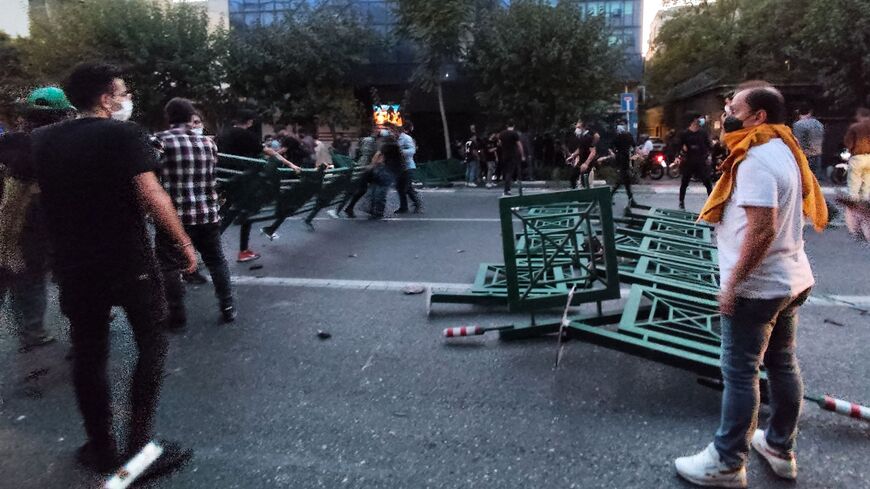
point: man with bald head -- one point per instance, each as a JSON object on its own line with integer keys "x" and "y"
{"x": 758, "y": 207}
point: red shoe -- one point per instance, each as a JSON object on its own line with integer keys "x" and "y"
{"x": 247, "y": 255}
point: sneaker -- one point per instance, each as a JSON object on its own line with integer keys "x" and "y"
{"x": 682, "y": 206}
{"x": 490, "y": 185}
{"x": 507, "y": 193}
{"x": 194, "y": 278}
{"x": 401, "y": 211}
{"x": 707, "y": 469}
{"x": 272, "y": 235}
{"x": 783, "y": 464}
{"x": 99, "y": 460}
{"x": 350, "y": 214}
{"x": 228, "y": 314}
{"x": 246, "y": 256}
{"x": 172, "y": 459}
{"x": 333, "y": 213}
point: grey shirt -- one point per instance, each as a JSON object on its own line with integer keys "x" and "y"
{"x": 810, "y": 133}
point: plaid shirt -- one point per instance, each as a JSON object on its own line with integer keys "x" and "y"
{"x": 187, "y": 170}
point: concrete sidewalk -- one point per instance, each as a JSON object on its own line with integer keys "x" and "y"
{"x": 667, "y": 188}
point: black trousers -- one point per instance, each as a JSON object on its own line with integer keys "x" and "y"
{"x": 406, "y": 190}
{"x": 87, "y": 299}
{"x": 696, "y": 169}
{"x": 575, "y": 176}
{"x": 206, "y": 240}
{"x": 624, "y": 179}
{"x": 509, "y": 169}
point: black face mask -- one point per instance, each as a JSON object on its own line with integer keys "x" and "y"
{"x": 732, "y": 123}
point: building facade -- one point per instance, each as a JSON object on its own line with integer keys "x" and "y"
{"x": 624, "y": 17}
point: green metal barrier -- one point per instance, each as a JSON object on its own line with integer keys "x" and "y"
{"x": 440, "y": 172}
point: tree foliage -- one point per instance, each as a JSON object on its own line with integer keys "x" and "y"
{"x": 301, "y": 67}
{"x": 13, "y": 80}
{"x": 542, "y": 65}
{"x": 809, "y": 41}
{"x": 166, "y": 49}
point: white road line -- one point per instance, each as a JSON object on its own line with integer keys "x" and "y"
{"x": 398, "y": 286}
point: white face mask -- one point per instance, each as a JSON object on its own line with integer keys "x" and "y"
{"x": 125, "y": 112}
{"x": 197, "y": 131}
{"x": 578, "y": 132}
{"x": 620, "y": 128}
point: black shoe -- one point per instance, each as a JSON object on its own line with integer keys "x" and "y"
{"x": 401, "y": 211}
{"x": 172, "y": 459}
{"x": 349, "y": 213}
{"x": 682, "y": 206}
{"x": 101, "y": 460}
{"x": 228, "y": 314}
{"x": 194, "y": 278}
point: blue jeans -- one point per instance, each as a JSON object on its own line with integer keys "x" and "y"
{"x": 471, "y": 169}
{"x": 760, "y": 330}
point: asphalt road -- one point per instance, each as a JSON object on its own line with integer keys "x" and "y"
{"x": 387, "y": 403}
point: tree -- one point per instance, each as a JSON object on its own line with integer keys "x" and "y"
{"x": 438, "y": 31}
{"x": 745, "y": 39}
{"x": 166, "y": 49}
{"x": 301, "y": 67}
{"x": 13, "y": 84}
{"x": 836, "y": 44}
{"x": 542, "y": 65}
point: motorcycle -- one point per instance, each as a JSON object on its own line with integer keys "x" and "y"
{"x": 840, "y": 171}
{"x": 674, "y": 167}
{"x": 656, "y": 165}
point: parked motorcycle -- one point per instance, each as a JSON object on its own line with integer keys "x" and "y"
{"x": 840, "y": 171}
{"x": 656, "y": 165}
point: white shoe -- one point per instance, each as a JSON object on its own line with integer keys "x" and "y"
{"x": 783, "y": 464}
{"x": 706, "y": 469}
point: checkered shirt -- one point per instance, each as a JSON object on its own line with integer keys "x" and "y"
{"x": 187, "y": 171}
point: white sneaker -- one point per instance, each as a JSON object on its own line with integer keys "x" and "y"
{"x": 706, "y": 469}
{"x": 783, "y": 464}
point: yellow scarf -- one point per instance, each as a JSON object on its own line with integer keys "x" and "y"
{"x": 739, "y": 143}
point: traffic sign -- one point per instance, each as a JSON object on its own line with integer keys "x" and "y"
{"x": 627, "y": 102}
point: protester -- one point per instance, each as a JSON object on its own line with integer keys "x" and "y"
{"x": 583, "y": 154}
{"x": 382, "y": 172}
{"x": 238, "y": 139}
{"x": 404, "y": 181}
{"x": 187, "y": 171}
{"x": 758, "y": 206}
{"x": 492, "y": 157}
{"x": 695, "y": 144}
{"x": 623, "y": 147}
{"x": 857, "y": 141}
{"x": 97, "y": 180}
{"x": 322, "y": 154}
{"x": 512, "y": 155}
{"x": 810, "y": 133}
{"x": 24, "y": 252}
{"x": 473, "y": 153}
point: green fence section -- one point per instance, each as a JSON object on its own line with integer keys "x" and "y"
{"x": 440, "y": 172}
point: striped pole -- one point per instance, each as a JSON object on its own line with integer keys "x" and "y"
{"x": 471, "y": 331}
{"x": 840, "y": 406}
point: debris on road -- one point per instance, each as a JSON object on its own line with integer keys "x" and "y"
{"x": 414, "y": 289}
{"x": 323, "y": 335}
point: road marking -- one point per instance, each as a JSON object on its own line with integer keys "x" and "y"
{"x": 453, "y": 288}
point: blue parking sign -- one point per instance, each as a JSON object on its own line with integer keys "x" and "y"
{"x": 627, "y": 102}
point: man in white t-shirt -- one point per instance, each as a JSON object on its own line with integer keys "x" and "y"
{"x": 766, "y": 277}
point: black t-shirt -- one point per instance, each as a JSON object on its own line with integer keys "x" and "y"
{"x": 85, "y": 169}
{"x": 509, "y": 139}
{"x": 239, "y": 142}
{"x": 585, "y": 142}
{"x": 697, "y": 145}
{"x": 15, "y": 155}
{"x": 622, "y": 145}
{"x": 491, "y": 150}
